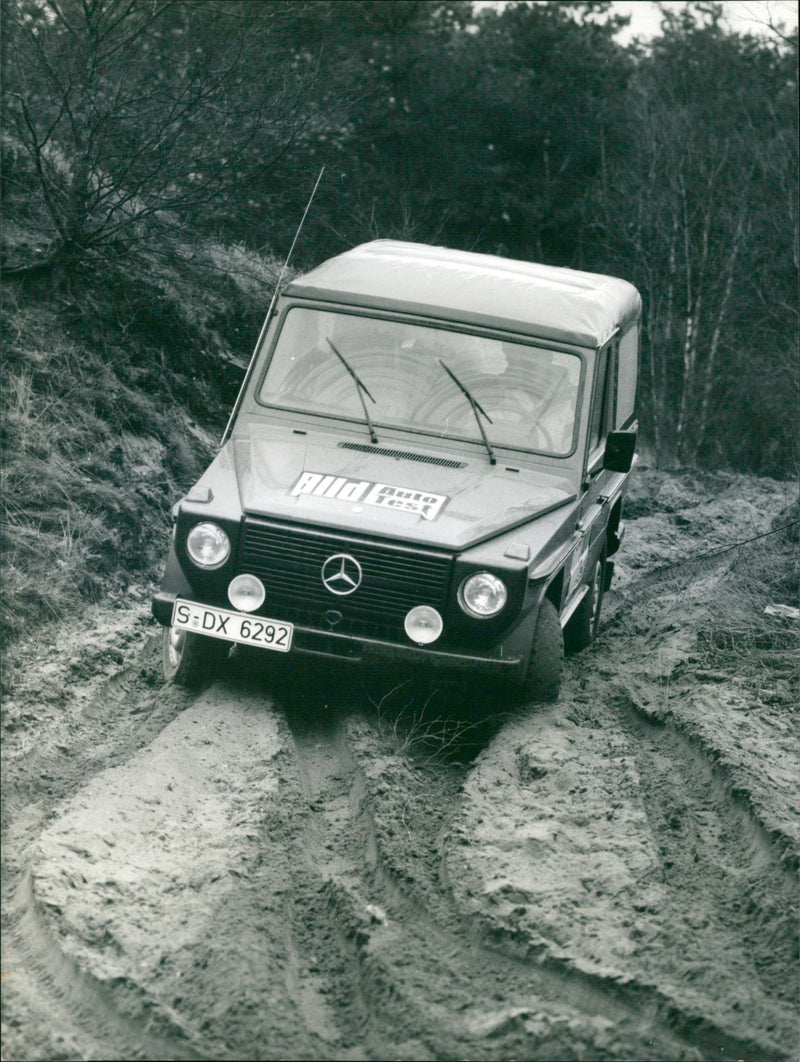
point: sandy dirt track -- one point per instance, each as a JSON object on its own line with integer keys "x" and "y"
{"x": 312, "y": 865}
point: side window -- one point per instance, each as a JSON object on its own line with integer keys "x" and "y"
{"x": 628, "y": 370}
{"x": 603, "y": 397}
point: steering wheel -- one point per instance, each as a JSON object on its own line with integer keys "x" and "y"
{"x": 314, "y": 363}
{"x": 502, "y": 402}
{"x": 319, "y": 378}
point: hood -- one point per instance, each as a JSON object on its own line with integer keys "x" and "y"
{"x": 415, "y": 497}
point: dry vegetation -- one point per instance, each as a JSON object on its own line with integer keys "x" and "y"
{"x": 113, "y": 396}
{"x": 741, "y": 637}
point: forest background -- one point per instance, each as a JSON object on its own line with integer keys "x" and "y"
{"x": 157, "y": 156}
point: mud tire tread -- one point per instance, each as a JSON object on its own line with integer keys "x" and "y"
{"x": 199, "y": 662}
{"x": 582, "y": 628}
{"x": 542, "y": 682}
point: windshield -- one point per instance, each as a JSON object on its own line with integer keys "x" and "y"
{"x": 528, "y": 394}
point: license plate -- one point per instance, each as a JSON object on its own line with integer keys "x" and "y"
{"x": 232, "y": 626}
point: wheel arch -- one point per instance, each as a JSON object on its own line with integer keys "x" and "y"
{"x": 554, "y": 591}
{"x": 613, "y": 538}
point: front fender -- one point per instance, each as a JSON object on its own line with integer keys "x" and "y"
{"x": 173, "y": 583}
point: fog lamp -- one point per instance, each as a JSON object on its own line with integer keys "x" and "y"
{"x": 208, "y": 546}
{"x": 423, "y": 624}
{"x": 246, "y": 593}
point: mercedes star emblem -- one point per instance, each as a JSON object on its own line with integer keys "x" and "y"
{"x": 341, "y": 574}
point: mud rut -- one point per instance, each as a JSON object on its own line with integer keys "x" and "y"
{"x": 293, "y": 868}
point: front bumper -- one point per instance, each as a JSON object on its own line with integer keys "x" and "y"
{"x": 505, "y": 662}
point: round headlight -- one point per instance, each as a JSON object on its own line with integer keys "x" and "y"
{"x": 423, "y": 624}
{"x": 246, "y": 593}
{"x": 483, "y": 594}
{"x": 208, "y": 546}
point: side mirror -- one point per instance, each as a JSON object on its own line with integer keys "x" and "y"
{"x": 620, "y": 447}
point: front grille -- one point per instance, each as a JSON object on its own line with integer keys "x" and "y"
{"x": 289, "y": 561}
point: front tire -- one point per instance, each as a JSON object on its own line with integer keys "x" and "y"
{"x": 191, "y": 659}
{"x": 584, "y": 624}
{"x": 543, "y": 679}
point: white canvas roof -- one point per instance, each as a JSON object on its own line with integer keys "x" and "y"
{"x": 549, "y": 302}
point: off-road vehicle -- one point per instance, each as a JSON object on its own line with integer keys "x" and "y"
{"x": 425, "y": 468}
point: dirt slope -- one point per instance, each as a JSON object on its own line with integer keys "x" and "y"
{"x": 314, "y": 866}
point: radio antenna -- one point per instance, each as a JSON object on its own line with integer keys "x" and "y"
{"x": 265, "y": 325}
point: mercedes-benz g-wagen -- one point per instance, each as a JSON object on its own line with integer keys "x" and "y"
{"x": 425, "y": 468}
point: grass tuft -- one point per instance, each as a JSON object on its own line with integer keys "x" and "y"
{"x": 739, "y": 635}
{"x": 415, "y": 729}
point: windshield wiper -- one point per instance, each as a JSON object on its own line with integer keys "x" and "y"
{"x": 362, "y": 389}
{"x": 477, "y": 409}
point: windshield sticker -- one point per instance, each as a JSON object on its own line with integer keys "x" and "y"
{"x": 404, "y": 499}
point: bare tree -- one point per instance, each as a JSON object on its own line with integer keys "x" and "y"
{"x": 137, "y": 115}
{"x": 702, "y": 214}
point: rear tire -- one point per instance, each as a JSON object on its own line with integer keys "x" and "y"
{"x": 584, "y": 624}
{"x": 191, "y": 659}
{"x": 543, "y": 679}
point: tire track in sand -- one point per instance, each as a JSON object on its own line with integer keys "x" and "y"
{"x": 574, "y": 840}
{"x": 413, "y": 962}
